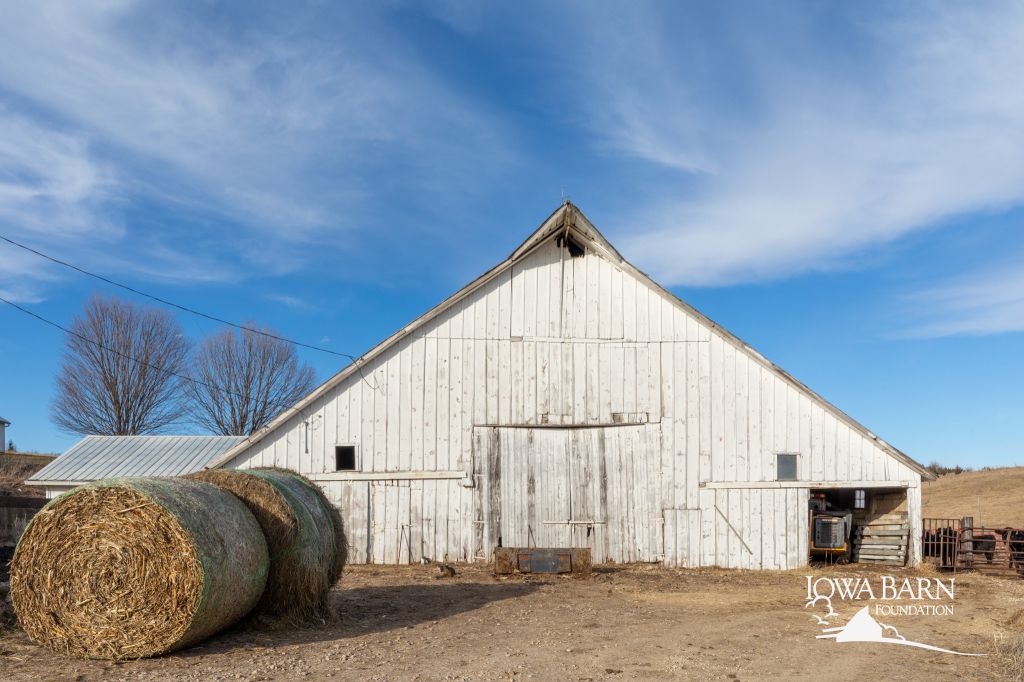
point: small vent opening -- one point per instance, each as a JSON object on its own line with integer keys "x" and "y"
{"x": 345, "y": 458}
{"x": 576, "y": 250}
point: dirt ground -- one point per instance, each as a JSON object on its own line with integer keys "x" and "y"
{"x": 634, "y": 622}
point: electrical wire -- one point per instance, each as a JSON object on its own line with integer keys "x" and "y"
{"x": 183, "y": 308}
{"x": 183, "y": 377}
{"x": 172, "y": 304}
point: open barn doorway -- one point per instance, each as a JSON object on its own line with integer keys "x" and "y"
{"x": 859, "y": 525}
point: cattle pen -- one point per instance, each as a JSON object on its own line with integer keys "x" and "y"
{"x": 956, "y": 544}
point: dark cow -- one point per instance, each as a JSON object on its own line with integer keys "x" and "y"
{"x": 941, "y": 543}
{"x": 1015, "y": 545}
{"x": 984, "y": 543}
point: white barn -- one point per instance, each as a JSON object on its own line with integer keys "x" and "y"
{"x": 563, "y": 398}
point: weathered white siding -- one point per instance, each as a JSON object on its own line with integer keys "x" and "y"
{"x": 573, "y": 389}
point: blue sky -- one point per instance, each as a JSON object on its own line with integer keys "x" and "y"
{"x": 840, "y": 184}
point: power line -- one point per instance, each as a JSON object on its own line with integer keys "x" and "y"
{"x": 64, "y": 329}
{"x": 183, "y": 308}
{"x": 172, "y": 304}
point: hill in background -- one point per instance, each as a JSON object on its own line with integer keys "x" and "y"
{"x": 994, "y": 497}
{"x": 15, "y": 467}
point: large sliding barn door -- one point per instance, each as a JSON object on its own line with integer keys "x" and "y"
{"x": 580, "y": 487}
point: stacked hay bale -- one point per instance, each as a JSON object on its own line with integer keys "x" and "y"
{"x": 128, "y": 568}
{"x": 304, "y": 534}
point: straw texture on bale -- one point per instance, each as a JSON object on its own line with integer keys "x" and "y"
{"x": 128, "y": 568}
{"x": 300, "y": 536}
{"x": 340, "y": 541}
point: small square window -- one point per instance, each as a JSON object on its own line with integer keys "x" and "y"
{"x": 786, "y": 468}
{"x": 858, "y": 499}
{"x": 345, "y": 458}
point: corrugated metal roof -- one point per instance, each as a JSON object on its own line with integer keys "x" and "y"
{"x": 97, "y": 457}
{"x": 4, "y": 422}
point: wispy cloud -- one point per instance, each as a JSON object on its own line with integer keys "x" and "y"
{"x": 283, "y": 124}
{"x": 990, "y": 301}
{"x": 293, "y": 302}
{"x": 53, "y": 190}
{"x": 796, "y": 155}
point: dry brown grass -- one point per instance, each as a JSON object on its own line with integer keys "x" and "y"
{"x": 1010, "y": 648}
{"x": 14, "y": 471}
{"x": 995, "y": 498}
{"x": 131, "y": 568}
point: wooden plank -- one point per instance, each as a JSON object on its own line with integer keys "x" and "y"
{"x": 707, "y": 528}
{"x": 592, "y": 383}
{"x": 741, "y": 413}
{"x": 806, "y": 484}
{"x": 617, "y": 315}
{"x": 708, "y": 522}
{"x": 729, "y": 411}
{"x": 879, "y": 542}
{"x": 755, "y": 455}
{"x": 831, "y": 461}
{"x": 675, "y": 410}
{"x": 604, "y": 307}
{"x": 817, "y": 440}
{"x": 693, "y": 538}
{"x": 504, "y": 387}
{"x": 693, "y": 427}
{"x": 705, "y": 409}
{"x": 716, "y": 410}
{"x": 417, "y": 402}
{"x": 880, "y": 549}
{"x": 885, "y": 518}
{"x": 767, "y": 420}
{"x": 642, "y": 312}
{"x": 782, "y": 538}
{"x": 755, "y": 528}
{"x": 442, "y": 475}
{"x": 442, "y": 414}
{"x": 592, "y": 306}
{"x": 577, "y": 374}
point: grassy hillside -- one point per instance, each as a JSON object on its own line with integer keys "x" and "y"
{"x": 16, "y": 467}
{"x": 995, "y": 498}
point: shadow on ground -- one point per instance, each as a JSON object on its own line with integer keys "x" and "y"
{"x": 367, "y": 610}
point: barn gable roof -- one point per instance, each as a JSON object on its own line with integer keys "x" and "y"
{"x": 567, "y": 222}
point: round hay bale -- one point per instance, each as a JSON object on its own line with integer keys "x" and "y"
{"x": 340, "y": 540}
{"x": 300, "y": 535}
{"x": 132, "y": 567}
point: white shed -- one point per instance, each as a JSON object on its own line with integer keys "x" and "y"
{"x": 3, "y": 434}
{"x": 564, "y": 398}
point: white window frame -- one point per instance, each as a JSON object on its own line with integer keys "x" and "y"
{"x": 860, "y": 499}
{"x": 796, "y": 461}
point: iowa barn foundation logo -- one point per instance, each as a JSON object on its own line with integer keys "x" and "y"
{"x": 927, "y": 597}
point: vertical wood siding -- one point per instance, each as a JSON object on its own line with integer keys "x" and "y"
{"x": 671, "y": 403}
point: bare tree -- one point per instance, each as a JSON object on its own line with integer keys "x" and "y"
{"x": 118, "y": 372}
{"x": 242, "y": 381}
